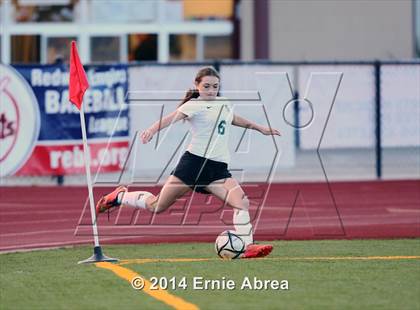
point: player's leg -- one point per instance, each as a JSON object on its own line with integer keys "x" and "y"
{"x": 232, "y": 194}
{"x": 172, "y": 190}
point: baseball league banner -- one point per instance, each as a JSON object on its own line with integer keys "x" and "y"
{"x": 40, "y": 128}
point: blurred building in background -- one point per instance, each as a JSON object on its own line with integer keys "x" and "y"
{"x": 289, "y": 30}
{"x": 39, "y": 31}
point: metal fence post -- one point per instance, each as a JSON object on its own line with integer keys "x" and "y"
{"x": 296, "y": 118}
{"x": 216, "y": 65}
{"x": 378, "y": 148}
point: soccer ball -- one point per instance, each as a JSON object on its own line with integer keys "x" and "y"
{"x": 229, "y": 245}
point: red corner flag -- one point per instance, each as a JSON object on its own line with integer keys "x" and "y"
{"x": 78, "y": 80}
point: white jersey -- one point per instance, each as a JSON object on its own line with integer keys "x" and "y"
{"x": 210, "y": 126}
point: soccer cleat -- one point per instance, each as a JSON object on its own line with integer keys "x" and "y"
{"x": 109, "y": 201}
{"x": 257, "y": 250}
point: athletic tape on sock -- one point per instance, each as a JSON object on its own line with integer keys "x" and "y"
{"x": 243, "y": 226}
{"x": 136, "y": 199}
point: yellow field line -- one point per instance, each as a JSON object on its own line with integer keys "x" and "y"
{"x": 159, "y": 294}
{"x": 184, "y": 260}
{"x": 352, "y": 258}
{"x": 164, "y": 260}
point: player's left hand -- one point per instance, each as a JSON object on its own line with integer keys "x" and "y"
{"x": 270, "y": 131}
{"x": 146, "y": 136}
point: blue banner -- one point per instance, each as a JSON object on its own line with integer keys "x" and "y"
{"x": 104, "y": 102}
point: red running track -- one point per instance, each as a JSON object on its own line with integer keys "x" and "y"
{"x": 36, "y": 217}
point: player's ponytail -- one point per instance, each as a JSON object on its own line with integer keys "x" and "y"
{"x": 194, "y": 93}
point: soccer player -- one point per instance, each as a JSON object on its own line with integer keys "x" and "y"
{"x": 204, "y": 166}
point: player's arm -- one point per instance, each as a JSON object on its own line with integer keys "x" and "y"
{"x": 244, "y": 123}
{"x": 171, "y": 118}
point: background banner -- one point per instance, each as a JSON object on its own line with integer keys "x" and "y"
{"x": 58, "y": 148}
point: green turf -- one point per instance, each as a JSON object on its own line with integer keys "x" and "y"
{"x": 52, "y": 279}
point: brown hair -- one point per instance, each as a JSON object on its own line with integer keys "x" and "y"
{"x": 193, "y": 92}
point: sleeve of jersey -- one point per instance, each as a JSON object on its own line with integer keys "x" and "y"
{"x": 231, "y": 109}
{"x": 189, "y": 108}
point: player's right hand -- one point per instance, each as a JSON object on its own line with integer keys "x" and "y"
{"x": 146, "y": 136}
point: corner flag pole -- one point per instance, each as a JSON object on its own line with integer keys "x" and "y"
{"x": 78, "y": 84}
{"x": 86, "y": 152}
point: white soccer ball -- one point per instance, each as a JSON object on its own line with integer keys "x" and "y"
{"x": 229, "y": 245}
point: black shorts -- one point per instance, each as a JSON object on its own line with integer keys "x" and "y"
{"x": 197, "y": 172}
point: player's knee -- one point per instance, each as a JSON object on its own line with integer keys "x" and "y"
{"x": 245, "y": 203}
{"x": 159, "y": 208}
{"x": 153, "y": 206}
{"x": 242, "y": 204}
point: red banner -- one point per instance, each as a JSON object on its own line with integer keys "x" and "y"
{"x": 68, "y": 159}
